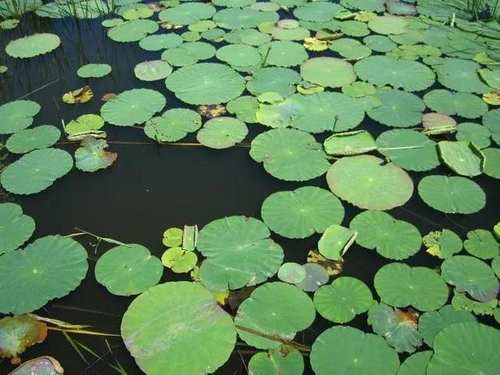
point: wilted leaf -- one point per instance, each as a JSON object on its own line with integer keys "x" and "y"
{"x": 19, "y": 333}
{"x": 39, "y": 366}
{"x": 92, "y": 156}
{"x": 81, "y": 95}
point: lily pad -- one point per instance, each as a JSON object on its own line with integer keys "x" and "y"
{"x": 205, "y": 83}
{"x": 158, "y": 42}
{"x": 276, "y": 309}
{"x": 400, "y": 285}
{"x": 367, "y": 183}
{"x": 301, "y": 213}
{"x": 347, "y": 350}
{"x": 275, "y": 362}
{"x": 132, "y": 31}
{"x": 461, "y": 157}
{"x": 292, "y": 273}
{"x": 388, "y": 25}
{"x": 27, "y": 140}
{"x": 290, "y": 155}
{"x": 328, "y": 72}
{"x": 173, "y": 125}
{"x": 92, "y": 155}
{"x": 273, "y": 79}
{"x": 187, "y": 13}
{"x": 15, "y": 227}
{"x": 391, "y": 238}
{"x": 491, "y": 165}
{"x": 416, "y": 364}
{"x": 452, "y": 195}
{"x": 17, "y": 115}
{"x": 93, "y": 70}
{"x": 477, "y": 134}
{"x": 343, "y": 299}
{"x": 157, "y": 329}
{"x": 471, "y": 275}
{"x": 153, "y": 70}
{"x": 36, "y": 171}
{"x": 283, "y": 53}
{"x": 482, "y": 244}
{"x": 18, "y": 333}
{"x": 224, "y": 242}
{"x": 127, "y": 270}
{"x": 316, "y": 275}
{"x": 239, "y": 55}
{"x": 133, "y": 107}
{"x": 179, "y": 260}
{"x": 335, "y": 241}
{"x": 222, "y": 132}
{"x": 463, "y": 104}
{"x": 48, "y": 268}
{"x": 83, "y": 124}
{"x": 398, "y": 109}
{"x": 460, "y": 75}
{"x": 32, "y": 45}
{"x": 443, "y": 244}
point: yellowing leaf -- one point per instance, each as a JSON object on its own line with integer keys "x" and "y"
{"x": 19, "y": 333}
{"x": 211, "y": 111}
{"x": 492, "y": 98}
{"x": 315, "y": 44}
{"x": 81, "y": 95}
{"x": 364, "y": 16}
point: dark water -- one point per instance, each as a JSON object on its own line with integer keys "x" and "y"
{"x": 152, "y": 187}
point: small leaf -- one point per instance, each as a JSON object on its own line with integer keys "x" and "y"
{"x": 92, "y": 156}
{"x": 19, "y": 333}
{"x": 81, "y": 95}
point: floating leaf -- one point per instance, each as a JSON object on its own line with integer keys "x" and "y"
{"x": 480, "y": 342}
{"x": 276, "y": 362}
{"x": 173, "y": 125}
{"x": 482, "y": 244}
{"x": 416, "y": 364}
{"x": 48, "y": 268}
{"x": 15, "y": 227}
{"x": 398, "y": 109}
{"x": 40, "y": 366}
{"x": 27, "y": 140}
{"x": 283, "y": 53}
{"x": 491, "y": 165}
{"x": 239, "y": 55}
{"x": 476, "y": 134}
{"x": 398, "y": 327}
{"x": 400, "y": 285}
{"x": 32, "y": 45}
{"x": 36, "y": 171}
{"x": 391, "y": 238}
{"x": 347, "y": 350}
{"x": 163, "y": 342}
{"x": 84, "y": 124}
{"x": 316, "y": 275}
{"x": 388, "y": 25}
{"x": 93, "y": 70}
{"x": 81, "y": 95}
{"x": 367, "y": 183}
{"x": 152, "y": 70}
{"x": 222, "y": 132}
{"x": 224, "y": 242}
{"x": 289, "y": 154}
{"x": 273, "y": 79}
{"x": 452, "y": 195}
{"x": 133, "y": 107}
{"x": 18, "y": 333}
{"x": 92, "y": 155}
{"x": 17, "y": 115}
{"x": 442, "y": 244}
{"x": 179, "y": 260}
{"x": 461, "y": 157}
{"x": 276, "y": 309}
{"x": 172, "y": 237}
{"x": 292, "y": 273}
{"x": 449, "y": 69}
{"x": 328, "y": 72}
{"x": 343, "y": 299}
{"x": 185, "y": 14}
{"x": 350, "y": 143}
{"x": 132, "y": 31}
{"x": 461, "y": 302}
{"x": 158, "y": 42}
{"x": 463, "y": 104}
{"x": 470, "y": 275}
{"x": 243, "y": 18}
{"x": 335, "y": 241}
{"x": 301, "y": 213}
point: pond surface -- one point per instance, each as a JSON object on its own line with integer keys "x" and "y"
{"x": 154, "y": 186}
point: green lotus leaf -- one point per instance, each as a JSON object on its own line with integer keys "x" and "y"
{"x": 36, "y": 171}
{"x": 359, "y": 89}
{"x": 477, "y": 134}
{"x": 320, "y": 11}
{"x": 452, "y": 195}
{"x": 482, "y": 244}
{"x": 15, "y": 227}
{"x": 350, "y": 143}
{"x": 391, "y": 238}
{"x": 470, "y": 275}
{"x": 335, "y": 241}
{"x": 347, "y": 350}
{"x": 463, "y": 104}
{"x": 158, "y": 42}
{"x": 400, "y": 285}
{"x": 185, "y": 14}
{"x": 243, "y": 18}
{"x": 172, "y": 237}
{"x": 462, "y": 302}
{"x": 328, "y": 72}
{"x": 157, "y": 329}
{"x": 239, "y": 55}
{"x": 275, "y": 362}
{"x": 205, "y": 83}
{"x": 369, "y": 5}
{"x": 92, "y": 155}
{"x": 222, "y": 132}
{"x": 244, "y": 108}
{"x": 302, "y": 212}
{"x": 416, "y": 364}
{"x": 399, "y": 331}
{"x": 47, "y": 268}
{"x": 399, "y": 109}
{"x": 179, "y": 260}
{"x": 408, "y": 149}
{"x": 495, "y": 264}
{"x": 283, "y": 53}
{"x": 431, "y": 323}
{"x": 173, "y": 125}
{"x": 280, "y": 80}
{"x": 461, "y": 157}
{"x": 354, "y": 28}
{"x": 224, "y": 242}
{"x": 491, "y": 120}
{"x": 32, "y": 45}
{"x": 134, "y": 11}
{"x": 384, "y": 70}
{"x": 83, "y": 124}
{"x": 250, "y": 37}
{"x": 93, "y": 70}
{"x": 443, "y": 244}
{"x": 27, "y": 140}
{"x": 127, "y": 270}
{"x": 367, "y": 183}
{"x": 350, "y": 49}
{"x": 388, "y": 24}
{"x": 292, "y": 273}
{"x": 276, "y": 309}
{"x": 480, "y": 342}
{"x": 153, "y": 70}
{"x": 132, "y": 31}
{"x": 343, "y": 299}
{"x": 112, "y": 22}
{"x": 297, "y": 33}
{"x": 379, "y": 43}
{"x": 316, "y": 275}
{"x": 289, "y": 154}
{"x": 233, "y": 3}
{"x": 133, "y": 107}
{"x": 17, "y": 115}
{"x": 449, "y": 69}
{"x": 491, "y": 165}
{"x": 188, "y": 53}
